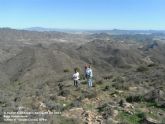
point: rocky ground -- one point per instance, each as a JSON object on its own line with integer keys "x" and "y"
{"x": 110, "y": 100}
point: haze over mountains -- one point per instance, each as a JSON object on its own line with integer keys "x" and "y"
{"x": 35, "y": 61}
{"x": 113, "y": 31}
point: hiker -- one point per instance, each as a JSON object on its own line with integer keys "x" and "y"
{"x": 89, "y": 75}
{"x": 76, "y": 78}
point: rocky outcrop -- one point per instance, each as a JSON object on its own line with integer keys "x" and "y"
{"x": 149, "y": 120}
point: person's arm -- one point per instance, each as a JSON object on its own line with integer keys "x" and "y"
{"x": 78, "y": 75}
{"x": 73, "y": 76}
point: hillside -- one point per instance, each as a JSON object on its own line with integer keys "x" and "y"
{"x": 129, "y": 76}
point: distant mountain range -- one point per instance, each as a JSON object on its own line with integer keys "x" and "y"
{"x": 113, "y": 31}
{"x": 41, "y": 29}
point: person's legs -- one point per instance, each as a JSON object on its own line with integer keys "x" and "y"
{"x": 90, "y": 80}
{"x": 74, "y": 82}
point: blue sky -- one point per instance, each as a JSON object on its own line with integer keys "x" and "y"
{"x": 83, "y": 14}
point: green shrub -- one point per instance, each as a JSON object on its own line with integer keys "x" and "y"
{"x": 141, "y": 115}
{"x": 100, "y": 82}
{"x": 106, "y": 88}
{"x": 77, "y": 68}
{"x": 151, "y": 65}
{"x": 89, "y": 94}
{"x": 107, "y": 77}
{"x": 120, "y": 86}
{"x": 66, "y": 70}
{"x": 130, "y": 119}
{"x": 82, "y": 77}
{"x": 119, "y": 79}
{"x": 137, "y": 98}
{"x": 121, "y": 103}
{"x": 84, "y": 82}
{"x": 142, "y": 68}
{"x": 125, "y": 66}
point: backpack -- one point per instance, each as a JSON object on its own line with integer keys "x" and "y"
{"x": 88, "y": 73}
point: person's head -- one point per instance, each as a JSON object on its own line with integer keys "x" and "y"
{"x": 89, "y": 66}
{"x": 85, "y": 66}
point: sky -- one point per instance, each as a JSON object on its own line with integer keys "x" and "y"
{"x": 84, "y": 14}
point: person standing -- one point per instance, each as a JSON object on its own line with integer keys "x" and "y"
{"x": 89, "y": 76}
{"x": 76, "y": 78}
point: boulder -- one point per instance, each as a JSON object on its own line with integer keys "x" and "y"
{"x": 149, "y": 120}
{"x": 92, "y": 117}
{"x": 133, "y": 88}
{"x": 73, "y": 113}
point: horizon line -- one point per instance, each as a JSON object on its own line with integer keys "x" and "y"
{"x": 81, "y": 29}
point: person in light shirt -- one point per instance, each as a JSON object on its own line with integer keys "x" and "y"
{"x": 76, "y": 78}
{"x": 89, "y": 75}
